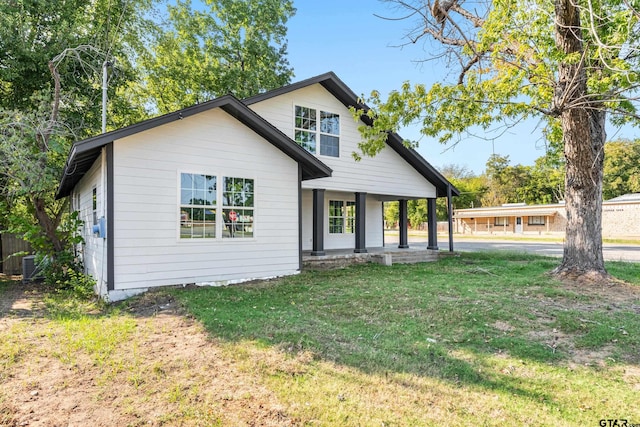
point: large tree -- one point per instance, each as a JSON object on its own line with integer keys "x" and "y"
{"x": 571, "y": 62}
{"x": 50, "y": 73}
{"x": 216, "y": 48}
{"x": 621, "y": 168}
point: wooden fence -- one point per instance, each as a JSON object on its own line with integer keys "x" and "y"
{"x": 9, "y": 245}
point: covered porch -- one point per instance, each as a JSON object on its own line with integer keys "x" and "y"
{"x": 354, "y": 223}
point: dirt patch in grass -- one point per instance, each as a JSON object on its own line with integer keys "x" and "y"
{"x": 168, "y": 373}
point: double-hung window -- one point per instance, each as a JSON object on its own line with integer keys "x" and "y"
{"x": 536, "y": 220}
{"x": 237, "y": 207}
{"x": 200, "y": 203}
{"x": 501, "y": 220}
{"x": 342, "y": 217}
{"x": 317, "y": 128}
{"x": 198, "y": 194}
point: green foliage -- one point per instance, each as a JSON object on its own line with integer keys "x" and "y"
{"x": 229, "y": 46}
{"x": 77, "y": 36}
{"x": 65, "y": 274}
{"x": 50, "y": 72}
{"x": 391, "y": 214}
{"x": 621, "y": 168}
{"x": 417, "y": 213}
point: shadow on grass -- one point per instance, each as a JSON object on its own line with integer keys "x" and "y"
{"x": 19, "y": 299}
{"x": 431, "y": 320}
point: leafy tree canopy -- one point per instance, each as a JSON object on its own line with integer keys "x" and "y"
{"x": 230, "y": 46}
{"x": 570, "y": 62}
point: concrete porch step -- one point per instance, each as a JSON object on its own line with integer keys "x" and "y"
{"x": 341, "y": 260}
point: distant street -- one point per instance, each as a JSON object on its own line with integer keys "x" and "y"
{"x": 611, "y": 252}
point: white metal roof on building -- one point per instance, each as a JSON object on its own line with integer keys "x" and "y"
{"x": 630, "y": 197}
{"x": 509, "y": 211}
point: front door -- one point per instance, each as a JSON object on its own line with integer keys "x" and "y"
{"x": 519, "y": 224}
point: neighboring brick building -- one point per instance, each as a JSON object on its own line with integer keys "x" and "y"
{"x": 620, "y": 218}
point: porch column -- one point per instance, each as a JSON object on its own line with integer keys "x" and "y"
{"x": 404, "y": 223}
{"x": 361, "y": 219}
{"x": 318, "y": 222}
{"x": 432, "y": 223}
{"x": 450, "y": 210}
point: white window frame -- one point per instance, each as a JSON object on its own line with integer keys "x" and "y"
{"x": 501, "y": 221}
{"x": 347, "y": 217}
{"x": 315, "y": 130}
{"x": 245, "y": 212}
{"x": 186, "y": 221}
{"x": 220, "y": 208}
{"x": 536, "y": 220}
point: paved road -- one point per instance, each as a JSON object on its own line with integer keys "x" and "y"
{"x": 611, "y": 252}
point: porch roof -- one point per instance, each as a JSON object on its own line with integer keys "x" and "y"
{"x": 497, "y": 212}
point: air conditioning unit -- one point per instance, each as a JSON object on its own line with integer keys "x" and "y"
{"x": 29, "y": 270}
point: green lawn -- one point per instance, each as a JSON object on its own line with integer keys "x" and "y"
{"x": 478, "y": 339}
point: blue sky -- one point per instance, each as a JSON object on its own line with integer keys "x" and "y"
{"x": 344, "y": 36}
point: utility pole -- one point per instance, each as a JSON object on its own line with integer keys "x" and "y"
{"x": 105, "y": 65}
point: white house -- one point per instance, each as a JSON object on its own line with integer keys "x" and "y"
{"x": 228, "y": 191}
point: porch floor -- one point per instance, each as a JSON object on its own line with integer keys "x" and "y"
{"x": 387, "y": 255}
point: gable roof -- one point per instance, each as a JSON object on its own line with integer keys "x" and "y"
{"x": 84, "y": 153}
{"x": 348, "y": 98}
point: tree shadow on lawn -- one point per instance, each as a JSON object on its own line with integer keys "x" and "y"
{"x": 314, "y": 318}
{"x": 19, "y": 299}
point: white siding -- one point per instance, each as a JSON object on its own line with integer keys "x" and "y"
{"x": 94, "y": 249}
{"x": 147, "y": 167}
{"x": 385, "y": 174}
{"x": 373, "y": 227}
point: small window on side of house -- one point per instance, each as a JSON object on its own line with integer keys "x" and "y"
{"x": 94, "y": 205}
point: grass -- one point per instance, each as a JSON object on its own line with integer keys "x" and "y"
{"x": 482, "y": 338}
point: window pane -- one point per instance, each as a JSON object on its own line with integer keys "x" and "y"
{"x": 501, "y": 220}
{"x": 248, "y": 185}
{"x": 198, "y": 182}
{"x": 305, "y": 118}
{"x": 349, "y": 217}
{"x": 197, "y": 223}
{"x": 329, "y": 145}
{"x": 197, "y": 189}
{"x": 307, "y": 140}
{"x": 329, "y": 123}
{"x": 335, "y": 208}
{"x": 238, "y": 223}
{"x": 335, "y": 225}
{"x": 198, "y": 197}
{"x": 211, "y": 193}
{"x": 185, "y": 222}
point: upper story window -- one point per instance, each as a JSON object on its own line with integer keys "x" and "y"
{"x": 314, "y": 128}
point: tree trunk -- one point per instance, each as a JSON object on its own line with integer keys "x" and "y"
{"x": 48, "y": 225}
{"x": 583, "y": 127}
